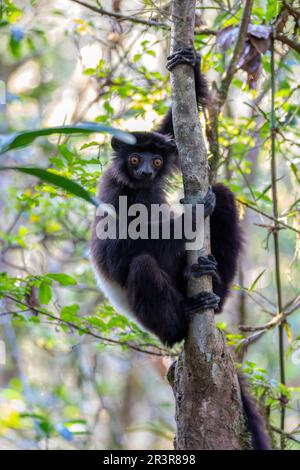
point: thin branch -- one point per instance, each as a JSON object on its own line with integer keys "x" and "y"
{"x": 267, "y": 326}
{"x": 120, "y": 16}
{"x": 285, "y": 434}
{"x": 199, "y": 32}
{"x": 237, "y": 50}
{"x": 138, "y": 20}
{"x": 255, "y": 209}
{"x": 15, "y": 221}
{"x": 262, "y": 301}
{"x": 160, "y": 352}
{"x": 288, "y": 309}
{"x": 289, "y": 42}
{"x": 276, "y": 238}
{"x": 293, "y": 11}
{"x": 244, "y": 344}
{"x": 4, "y": 314}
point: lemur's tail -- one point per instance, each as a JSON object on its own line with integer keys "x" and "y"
{"x": 202, "y": 93}
{"x": 256, "y": 422}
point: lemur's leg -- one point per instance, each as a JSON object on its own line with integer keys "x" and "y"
{"x": 154, "y": 300}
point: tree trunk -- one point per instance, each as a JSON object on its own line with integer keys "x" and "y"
{"x": 209, "y": 412}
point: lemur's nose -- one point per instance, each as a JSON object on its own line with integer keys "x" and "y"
{"x": 146, "y": 173}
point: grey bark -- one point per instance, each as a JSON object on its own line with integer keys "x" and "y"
{"x": 209, "y": 413}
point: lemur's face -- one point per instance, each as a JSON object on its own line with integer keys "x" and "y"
{"x": 144, "y": 166}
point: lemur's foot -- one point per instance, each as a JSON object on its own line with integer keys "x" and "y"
{"x": 202, "y": 301}
{"x": 209, "y": 202}
{"x": 206, "y": 266}
{"x": 185, "y": 55}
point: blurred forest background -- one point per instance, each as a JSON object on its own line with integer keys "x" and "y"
{"x": 74, "y": 374}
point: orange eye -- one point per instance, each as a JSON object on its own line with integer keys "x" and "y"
{"x": 134, "y": 160}
{"x": 157, "y": 162}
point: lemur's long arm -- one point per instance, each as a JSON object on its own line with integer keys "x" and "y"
{"x": 185, "y": 55}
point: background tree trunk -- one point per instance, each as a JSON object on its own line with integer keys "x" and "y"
{"x": 209, "y": 412}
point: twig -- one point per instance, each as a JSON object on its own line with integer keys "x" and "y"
{"x": 289, "y": 42}
{"x": 264, "y": 214}
{"x": 160, "y": 352}
{"x": 198, "y": 32}
{"x": 4, "y": 314}
{"x": 267, "y": 326}
{"x": 244, "y": 344}
{"x": 275, "y": 234}
{"x": 15, "y": 221}
{"x": 239, "y": 46}
{"x": 288, "y": 309}
{"x": 295, "y": 13}
{"x": 120, "y": 16}
{"x": 219, "y": 95}
{"x": 133, "y": 19}
{"x": 285, "y": 434}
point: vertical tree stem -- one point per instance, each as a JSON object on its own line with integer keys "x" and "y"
{"x": 209, "y": 412}
{"x": 276, "y": 239}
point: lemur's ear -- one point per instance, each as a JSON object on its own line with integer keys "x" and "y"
{"x": 116, "y": 143}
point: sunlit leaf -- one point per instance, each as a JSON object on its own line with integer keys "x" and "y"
{"x": 62, "y": 279}
{"x": 56, "y": 180}
{"x": 24, "y": 138}
{"x": 254, "y": 283}
{"x": 45, "y": 293}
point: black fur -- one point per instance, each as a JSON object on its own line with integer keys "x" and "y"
{"x": 153, "y": 272}
{"x": 202, "y": 95}
{"x": 255, "y": 421}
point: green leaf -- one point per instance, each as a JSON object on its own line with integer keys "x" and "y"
{"x": 254, "y": 283}
{"x": 45, "y": 293}
{"x": 69, "y": 313}
{"x": 62, "y": 279}
{"x": 272, "y": 9}
{"x": 295, "y": 171}
{"x": 57, "y": 180}
{"x": 24, "y": 138}
{"x": 288, "y": 332}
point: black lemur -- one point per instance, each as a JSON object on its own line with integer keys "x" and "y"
{"x": 147, "y": 278}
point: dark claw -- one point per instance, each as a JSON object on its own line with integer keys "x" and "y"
{"x": 185, "y": 55}
{"x": 201, "y": 301}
